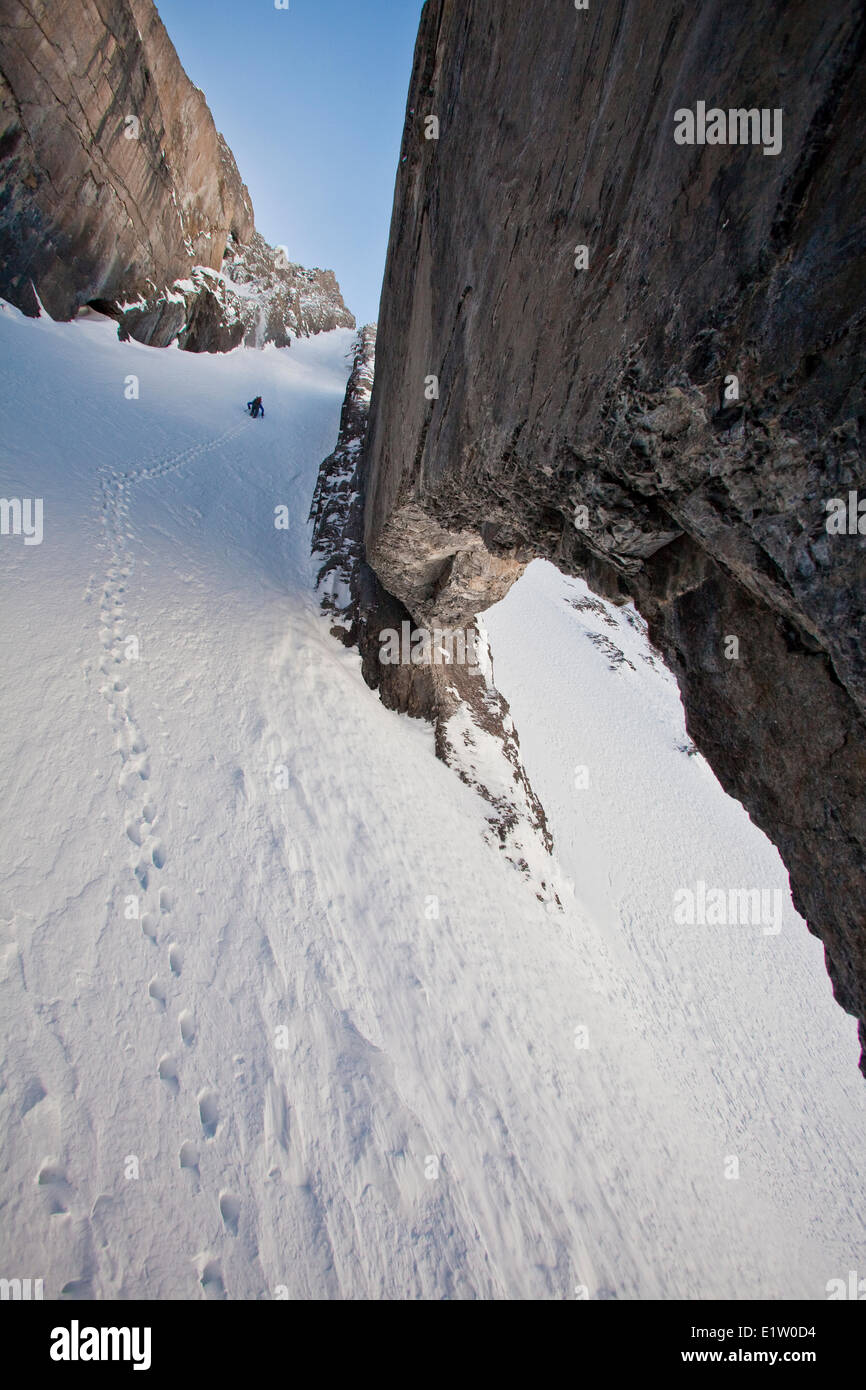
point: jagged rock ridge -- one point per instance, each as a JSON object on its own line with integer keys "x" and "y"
{"x": 597, "y": 396}
{"x": 279, "y": 300}
{"x": 258, "y": 297}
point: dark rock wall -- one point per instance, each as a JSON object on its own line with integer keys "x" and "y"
{"x": 350, "y": 592}
{"x": 86, "y": 212}
{"x": 597, "y": 396}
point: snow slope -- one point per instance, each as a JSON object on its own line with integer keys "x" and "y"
{"x": 288, "y": 1075}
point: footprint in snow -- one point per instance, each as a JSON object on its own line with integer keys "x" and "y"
{"x": 189, "y": 1157}
{"x": 52, "y": 1178}
{"x": 209, "y": 1113}
{"x": 51, "y": 1175}
{"x": 157, "y": 994}
{"x": 230, "y": 1211}
{"x": 168, "y": 1074}
{"x": 79, "y": 1290}
{"x": 212, "y": 1280}
{"x": 34, "y": 1093}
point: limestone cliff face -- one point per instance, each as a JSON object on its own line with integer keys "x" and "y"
{"x": 117, "y": 190}
{"x": 588, "y": 415}
{"x": 114, "y": 178}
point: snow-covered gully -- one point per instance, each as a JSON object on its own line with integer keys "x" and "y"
{"x": 279, "y": 1021}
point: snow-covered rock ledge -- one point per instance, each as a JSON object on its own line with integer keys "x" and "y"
{"x": 259, "y": 297}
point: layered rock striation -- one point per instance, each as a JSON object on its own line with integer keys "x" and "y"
{"x": 117, "y": 191}
{"x": 115, "y": 179}
{"x": 644, "y": 360}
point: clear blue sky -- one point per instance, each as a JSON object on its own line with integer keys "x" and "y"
{"x": 311, "y": 101}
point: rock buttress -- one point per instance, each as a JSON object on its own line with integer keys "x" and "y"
{"x": 668, "y": 413}
{"x": 114, "y": 178}
{"x": 420, "y": 672}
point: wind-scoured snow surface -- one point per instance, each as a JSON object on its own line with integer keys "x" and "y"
{"x": 288, "y": 1074}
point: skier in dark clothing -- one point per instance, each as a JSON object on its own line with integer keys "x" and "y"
{"x": 256, "y": 408}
